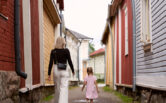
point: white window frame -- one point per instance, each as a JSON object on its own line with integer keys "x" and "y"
{"x": 126, "y": 30}
{"x": 146, "y": 32}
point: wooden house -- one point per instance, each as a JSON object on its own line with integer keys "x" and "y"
{"x": 83, "y": 51}
{"x": 51, "y": 30}
{"x": 118, "y": 39}
{"x": 150, "y": 44}
{"x": 24, "y": 47}
{"x": 97, "y": 62}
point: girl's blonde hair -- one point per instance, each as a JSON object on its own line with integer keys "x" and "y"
{"x": 89, "y": 70}
{"x": 60, "y": 43}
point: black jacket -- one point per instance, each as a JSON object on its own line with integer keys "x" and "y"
{"x": 60, "y": 56}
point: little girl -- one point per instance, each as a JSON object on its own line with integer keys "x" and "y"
{"x": 92, "y": 88}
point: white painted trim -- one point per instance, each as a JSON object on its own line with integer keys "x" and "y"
{"x": 120, "y": 46}
{"x": 27, "y": 42}
{"x": 41, "y": 36}
{"x": 115, "y": 51}
{"x": 126, "y": 31}
{"x": 23, "y": 90}
{"x": 150, "y": 21}
{"x": 36, "y": 86}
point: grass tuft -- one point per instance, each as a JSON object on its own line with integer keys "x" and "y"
{"x": 124, "y": 98}
{"x": 48, "y": 98}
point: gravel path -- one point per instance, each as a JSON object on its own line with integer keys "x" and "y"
{"x": 77, "y": 96}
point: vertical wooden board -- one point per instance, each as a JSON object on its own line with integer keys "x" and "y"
{"x": 49, "y": 41}
{"x": 117, "y": 56}
{"x": 35, "y": 41}
{"x": 22, "y": 84}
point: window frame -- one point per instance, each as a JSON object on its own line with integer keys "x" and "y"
{"x": 1, "y": 14}
{"x": 126, "y": 30}
{"x": 146, "y": 32}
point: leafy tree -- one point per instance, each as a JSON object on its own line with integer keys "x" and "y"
{"x": 91, "y": 48}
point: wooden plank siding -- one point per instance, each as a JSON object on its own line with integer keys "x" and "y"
{"x": 22, "y": 83}
{"x": 127, "y": 59}
{"x": 35, "y": 42}
{"x": 109, "y": 69}
{"x": 49, "y": 42}
{"x": 151, "y": 66}
{"x": 7, "y": 50}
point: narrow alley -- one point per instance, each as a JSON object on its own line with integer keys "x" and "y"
{"x": 77, "y": 96}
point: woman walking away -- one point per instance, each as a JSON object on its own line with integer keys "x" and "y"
{"x": 59, "y": 57}
{"x": 91, "y": 86}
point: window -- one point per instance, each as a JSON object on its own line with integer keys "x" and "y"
{"x": 126, "y": 30}
{"x": 3, "y": 4}
{"x": 145, "y": 22}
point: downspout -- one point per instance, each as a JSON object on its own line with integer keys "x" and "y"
{"x": 134, "y": 46}
{"x": 78, "y": 61}
{"x": 61, "y": 23}
{"x": 112, "y": 46}
{"x": 17, "y": 39}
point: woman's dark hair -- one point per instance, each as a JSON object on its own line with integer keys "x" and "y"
{"x": 89, "y": 70}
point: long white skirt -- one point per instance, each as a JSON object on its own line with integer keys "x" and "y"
{"x": 61, "y": 78}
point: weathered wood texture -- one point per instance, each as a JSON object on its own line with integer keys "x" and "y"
{"x": 35, "y": 41}
{"x": 151, "y": 67}
{"x": 49, "y": 42}
{"x": 127, "y": 59}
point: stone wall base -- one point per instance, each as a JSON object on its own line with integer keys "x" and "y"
{"x": 9, "y": 86}
{"x": 144, "y": 95}
{"x": 9, "y": 90}
{"x": 36, "y": 95}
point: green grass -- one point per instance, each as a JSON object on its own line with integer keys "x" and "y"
{"x": 124, "y": 98}
{"x": 72, "y": 87}
{"x": 48, "y": 98}
{"x": 100, "y": 81}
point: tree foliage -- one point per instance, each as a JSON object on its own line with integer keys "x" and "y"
{"x": 91, "y": 48}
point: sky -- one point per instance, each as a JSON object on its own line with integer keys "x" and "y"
{"x": 87, "y": 17}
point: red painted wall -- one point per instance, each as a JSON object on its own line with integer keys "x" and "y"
{"x": 22, "y": 84}
{"x": 117, "y": 55}
{"x": 127, "y": 60}
{"x": 7, "y": 54}
{"x": 7, "y": 50}
{"x": 35, "y": 41}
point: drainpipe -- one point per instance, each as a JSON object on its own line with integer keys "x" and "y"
{"x": 17, "y": 39}
{"x": 78, "y": 61}
{"x": 61, "y": 23}
{"x": 112, "y": 46}
{"x": 134, "y": 46}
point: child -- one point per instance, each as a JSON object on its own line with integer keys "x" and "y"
{"x": 92, "y": 88}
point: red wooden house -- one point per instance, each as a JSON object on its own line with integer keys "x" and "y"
{"x": 21, "y": 49}
{"x": 119, "y": 26}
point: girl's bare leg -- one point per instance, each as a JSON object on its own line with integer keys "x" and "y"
{"x": 87, "y": 100}
{"x": 91, "y": 100}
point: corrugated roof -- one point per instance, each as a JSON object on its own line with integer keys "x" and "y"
{"x": 99, "y": 51}
{"x": 78, "y": 35}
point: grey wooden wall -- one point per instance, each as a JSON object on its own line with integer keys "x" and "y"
{"x": 151, "y": 67}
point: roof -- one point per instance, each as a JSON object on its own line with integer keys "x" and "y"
{"x": 78, "y": 35}
{"x": 99, "y": 51}
{"x": 112, "y": 11}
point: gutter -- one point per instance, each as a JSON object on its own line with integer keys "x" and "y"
{"x": 134, "y": 46}
{"x": 112, "y": 46}
{"x": 17, "y": 39}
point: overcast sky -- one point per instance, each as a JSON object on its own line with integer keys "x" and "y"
{"x": 87, "y": 17}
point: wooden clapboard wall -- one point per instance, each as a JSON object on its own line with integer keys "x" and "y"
{"x": 151, "y": 67}
{"x": 49, "y": 41}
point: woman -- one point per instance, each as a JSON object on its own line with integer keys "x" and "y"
{"x": 60, "y": 54}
